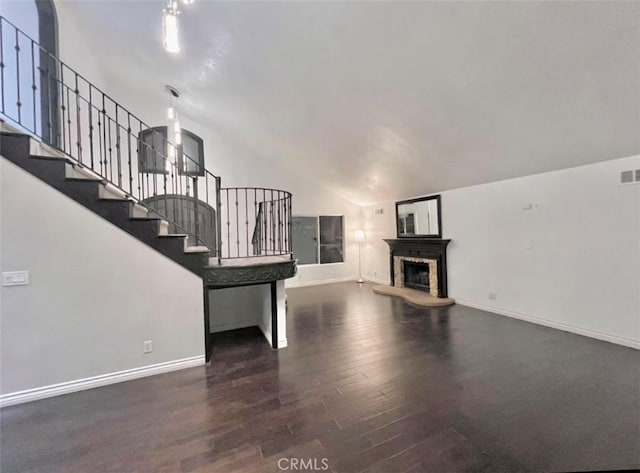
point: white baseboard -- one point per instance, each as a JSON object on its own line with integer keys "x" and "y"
{"x": 627, "y": 342}
{"x": 29, "y": 395}
{"x": 236, "y": 324}
{"x": 293, "y": 284}
{"x": 376, "y": 280}
{"x": 282, "y": 342}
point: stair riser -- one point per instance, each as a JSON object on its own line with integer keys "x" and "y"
{"x": 53, "y": 171}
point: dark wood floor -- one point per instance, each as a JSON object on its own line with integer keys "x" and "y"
{"x": 370, "y": 383}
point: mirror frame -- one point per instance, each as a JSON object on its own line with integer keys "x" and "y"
{"x": 421, "y": 199}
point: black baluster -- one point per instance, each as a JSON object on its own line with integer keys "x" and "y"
{"x": 228, "y": 227}
{"x": 129, "y": 153}
{"x": 104, "y": 137}
{"x": 1, "y": 66}
{"x": 18, "y": 102}
{"x": 290, "y": 228}
{"x": 70, "y": 148}
{"x": 52, "y": 105}
{"x": 218, "y": 220}
{"x": 118, "y": 151}
{"x": 196, "y": 222}
{"x": 279, "y": 222}
{"x": 246, "y": 217}
{"x": 110, "y": 168}
{"x": 165, "y": 172}
{"x": 284, "y": 232}
{"x": 273, "y": 226}
{"x": 34, "y": 88}
{"x": 265, "y": 248}
{"x": 91, "y": 127}
{"x": 155, "y": 161}
{"x": 174, "y": 177}
{"x": 138, "y": 151}
{"x": 256, "y": 216}
{"x": 237, "y": 226}
{"x": 100, "y": 144}
{"x": 78, "y": 124}
{"x": 206, "y": 186}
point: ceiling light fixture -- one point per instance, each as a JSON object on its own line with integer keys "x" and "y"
{"x": 170, "y": 38}
{"x": 172, "y": 94}
{"x": 174, "y": 124}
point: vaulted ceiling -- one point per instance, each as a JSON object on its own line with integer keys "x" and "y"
{"x": 382, "y": 100}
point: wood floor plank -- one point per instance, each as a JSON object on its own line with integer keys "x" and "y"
{"x": 368, "y": 384}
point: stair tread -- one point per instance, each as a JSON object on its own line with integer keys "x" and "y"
{"x": 81, "y": 179}
{"x": 116, "y": 200}
{"x": 51, "y": 158}
{"x": 196, "y": 249}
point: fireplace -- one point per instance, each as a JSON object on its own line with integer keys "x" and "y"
{"x": 416, "y": 275}
{"x": 419, "y": 263}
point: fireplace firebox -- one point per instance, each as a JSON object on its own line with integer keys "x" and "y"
{"x": 416, "y": 275}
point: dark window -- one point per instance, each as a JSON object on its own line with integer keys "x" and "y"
{"x": 331, "y": 236}
{"x": 192, "y": 156}
{"x": 318, "y": 239}
{"x": 153, "y": 148}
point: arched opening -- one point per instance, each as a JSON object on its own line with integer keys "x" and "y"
{"x": 48, "y": 38}
{"x": 29, "y": 48}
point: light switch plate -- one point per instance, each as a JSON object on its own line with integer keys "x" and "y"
{"x": 15, "y": 278}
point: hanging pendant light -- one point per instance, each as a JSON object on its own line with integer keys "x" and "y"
{"x": 170, "y": 36}
{"x": 174, "y": 132}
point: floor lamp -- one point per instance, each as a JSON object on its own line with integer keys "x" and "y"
{"x": 359, "y": 237}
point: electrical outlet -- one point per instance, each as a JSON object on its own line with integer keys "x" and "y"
{"x": 15, "y": 278}
{"x": 148, "y": 346}
{"x": 375, "y": 273}
{"x": 492, "y": 296}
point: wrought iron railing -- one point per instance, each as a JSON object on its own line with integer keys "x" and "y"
{"x": 257, "y": 221}
{"x": 53, "y": 102}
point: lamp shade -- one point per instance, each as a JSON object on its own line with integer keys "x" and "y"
{"x": 359, "y": 235}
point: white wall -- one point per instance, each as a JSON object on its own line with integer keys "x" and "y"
{"x": 238, "y": 307}
{"x": 265, "y": 320}
{"x": 96, "y": 293}
{"x": 73, "y": 47}
{"x": 248, "y": 306}
{"x": 572, "y": 261}
{"x": 379, "y": 222}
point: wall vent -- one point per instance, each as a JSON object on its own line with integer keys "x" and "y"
{"x": 626, "y": 177}
{"x": 637, "y": 175}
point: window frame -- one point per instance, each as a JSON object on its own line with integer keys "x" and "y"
{"x": 163, "y": 132}
{"x": 317, "y": 217}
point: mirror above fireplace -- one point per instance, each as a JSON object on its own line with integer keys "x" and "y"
{"x": 419, "y": 218}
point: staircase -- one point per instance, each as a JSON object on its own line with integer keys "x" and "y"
{"x": 90, "y": 148}
{"x": 111, "y": 203}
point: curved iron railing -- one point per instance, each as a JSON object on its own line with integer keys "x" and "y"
{"x": 52, "y": 101}
{"x": 256, "y": 221}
